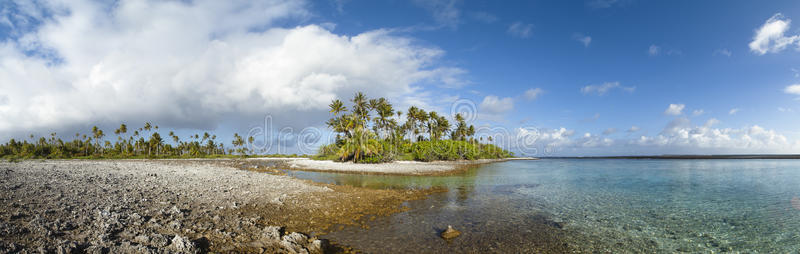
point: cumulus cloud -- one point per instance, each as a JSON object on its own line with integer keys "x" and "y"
{"x": 681, "y": 135}
{"x": 698, "y": 112}
{"x": 675, "y": 109}
{"x": 495, "y": 105}
{"x": 520, "y": 29}
{"x": 197, "y": 64}
{"x": 538, "y": 141}
{"x": 733, "y": 111}
{"x": 605, "y": 88}
{"x": 771, "y": 37}
{"x": 610, "y": 131}
{"x": 583, "y": 39}
{"x": 792, "y": 89}
{"x": 533, "y": 93}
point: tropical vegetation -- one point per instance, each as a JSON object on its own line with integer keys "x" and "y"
{"x": 370, "y": 131}
{"x": 144, "y": 142}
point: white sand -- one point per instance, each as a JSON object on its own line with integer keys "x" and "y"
{"x": 396, "y": 167}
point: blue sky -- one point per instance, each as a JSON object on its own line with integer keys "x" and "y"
{"x": 604, "y": 73}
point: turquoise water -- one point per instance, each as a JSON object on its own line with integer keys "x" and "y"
{"x": 591, "y": 205}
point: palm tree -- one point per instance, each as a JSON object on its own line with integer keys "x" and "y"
{"x": 98, "y": 134}
{"x": 361, "y": 145}
{"x": 471, "y": 131}
{"x": 155, "y": 143}
{"x": 337, "y": 107}
{"x": 237, "y": 141}
{"x": 439, "y": 127}
{"x": 120, "y": 132}
{"x": 460, "y": 132}
{"x": 385, "y": 111}
{"x": 411, "y": 121}
{"x": 422, "y": 121}
{"x": 360, "y": 109}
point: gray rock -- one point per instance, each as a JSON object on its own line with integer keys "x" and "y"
{"x": 158, "y": 241}
{"x": 450, "y": 233}
{"x": 272, "y": 233}
{"x": 295, "y": 243}
{"x": 183, "y": 245}
{"x": 315, "y": 246}
{"x": 175, "y": 211}
{"x": 143, "y": 239}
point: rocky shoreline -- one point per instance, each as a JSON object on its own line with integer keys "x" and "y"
{"x": 175, "y": 206}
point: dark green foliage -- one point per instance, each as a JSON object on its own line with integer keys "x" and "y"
{"x": 362, "y": 138}
{"x": 455, "y": 150}
{"x": 125, "y": 145}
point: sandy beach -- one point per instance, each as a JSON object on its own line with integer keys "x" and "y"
{"x": 390, "y": 168}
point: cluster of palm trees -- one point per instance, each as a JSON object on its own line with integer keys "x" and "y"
{"x": 142, "y": 142}
{"x": 371, "y": 128}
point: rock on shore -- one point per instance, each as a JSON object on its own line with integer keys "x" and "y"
{"x": 143, "y": 207}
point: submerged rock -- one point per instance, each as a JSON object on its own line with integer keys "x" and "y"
{"x": 450, "y": 233}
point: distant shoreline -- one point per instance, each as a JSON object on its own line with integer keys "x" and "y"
{"x": 687, "y": 157}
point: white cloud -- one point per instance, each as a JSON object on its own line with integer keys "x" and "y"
{"x": 733, "y": 111}
{"x": 605, "y": 87}
{"x": 583, "y": 39}
{"x": 724, "y": 52}
{"x": 782, "y": 109}
{"x": 446, "y": 12}
{"x": 675, "y": 109}
{"x": 550, "y": 141}
{"x": 199, "y": 64}
{"x": 771, "y": 38}
{"x": 520, "y": 29}
{"x": 494, "y": 105}
{"x": 653, "y": 50}
{"x": 698, "y": 112}
{"x": 610, "y": 131}
{"x": 681, "y": 135}
{"x": 533, "y": 93}
{"x": 792, "y": 89}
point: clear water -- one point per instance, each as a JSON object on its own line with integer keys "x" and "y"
{"x": 591, "y": 205}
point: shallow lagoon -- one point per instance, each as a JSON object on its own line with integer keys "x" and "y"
{"x": 604, "y": 205}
